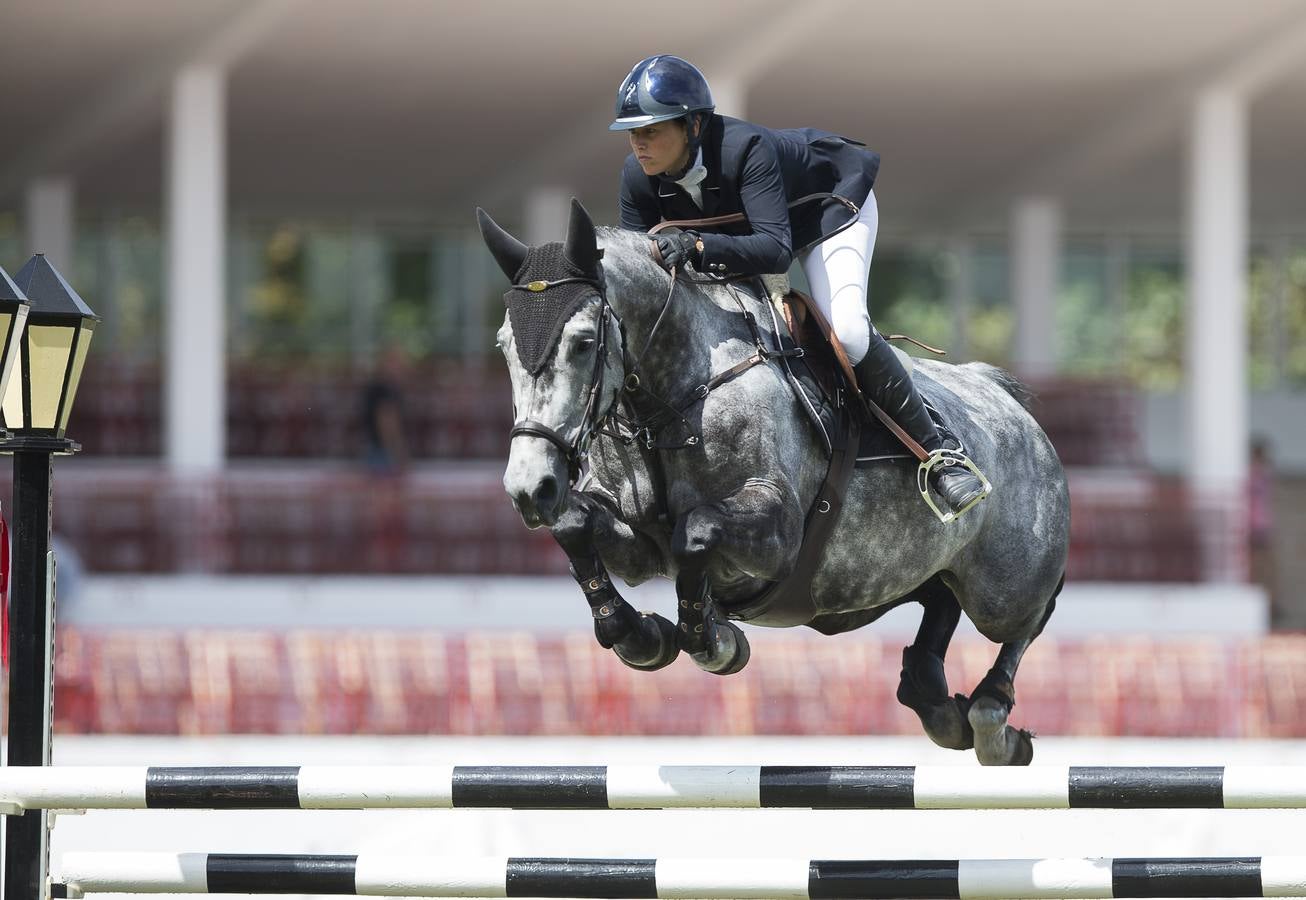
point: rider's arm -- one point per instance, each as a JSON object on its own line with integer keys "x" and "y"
{"x": 762, "y": 191}
{"x": 637, "y": 212}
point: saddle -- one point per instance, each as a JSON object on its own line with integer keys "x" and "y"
{"x": 832, "y": 371}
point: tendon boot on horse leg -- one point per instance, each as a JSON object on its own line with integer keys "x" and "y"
{"x": 924, "y": 687}
{"x": 746, "y": 540}
{"x": 882, "y": 378}
{"x": 996, "y": 742}
{"x": 641, "y": 640}
{"x": 716, "y": 645}
{"x": 644, "y": 641}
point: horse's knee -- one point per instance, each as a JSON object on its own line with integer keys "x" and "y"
{"x": 697, "y": 535}
{"x": 574, "y": 530}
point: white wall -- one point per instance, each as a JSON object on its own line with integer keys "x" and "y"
{"x": 554, "y": 605}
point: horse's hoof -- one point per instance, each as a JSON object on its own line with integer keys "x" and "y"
{"x": 727, "y": 650}
{"x": 996, "y": 742}
{"x": 651, "y": 647}
{"x": 946, "y": 723}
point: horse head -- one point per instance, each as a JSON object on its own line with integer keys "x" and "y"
{"x": 563, "y": 347}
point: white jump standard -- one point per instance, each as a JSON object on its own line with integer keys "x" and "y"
{"x": 653, "y": 787}
{"x": 385, "y": 875}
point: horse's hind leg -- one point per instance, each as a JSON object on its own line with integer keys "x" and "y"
{"x": 924, "y": 687}
{"x": 996, "y": 742}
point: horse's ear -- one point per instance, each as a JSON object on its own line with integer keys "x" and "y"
{"x": 508, "y": 252}
{"x": 582, "y": 243}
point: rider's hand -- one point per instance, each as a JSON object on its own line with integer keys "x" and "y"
{"x": 674, "y": 250}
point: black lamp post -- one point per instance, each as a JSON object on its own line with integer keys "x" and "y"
{"x": 44, "y": 366}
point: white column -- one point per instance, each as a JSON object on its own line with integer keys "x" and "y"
{"x": 1116, "y": 288}
{"x": 195, "y": 363}
{"x": 1216, "y": 264}
{"x": 545, "y": 215}
{"x": 1035, "y": 277}
{"x": 49, "y": 222}
{"x": 366, "y": 290}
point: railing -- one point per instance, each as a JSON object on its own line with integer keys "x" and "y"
{"x": 456, "y": 412}
{"x": 456, "y": 519}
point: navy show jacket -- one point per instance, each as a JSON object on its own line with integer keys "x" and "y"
{"x": 756, "y": 171}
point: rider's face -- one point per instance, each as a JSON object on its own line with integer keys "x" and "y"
{"x": 661, "y": 147}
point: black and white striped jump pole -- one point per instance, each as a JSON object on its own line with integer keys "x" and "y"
{"x": 655, "y": 787}
{"x": 788, "y": 879}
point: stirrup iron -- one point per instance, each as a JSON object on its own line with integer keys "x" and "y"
{"x": 945, "y": 458}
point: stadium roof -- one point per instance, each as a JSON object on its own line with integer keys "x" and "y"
{"x": 421, "y": 107}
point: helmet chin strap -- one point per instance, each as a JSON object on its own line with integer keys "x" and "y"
{"x": 695, "y": 144}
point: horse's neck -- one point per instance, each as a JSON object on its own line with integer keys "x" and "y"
{"x": 679, "y": 355}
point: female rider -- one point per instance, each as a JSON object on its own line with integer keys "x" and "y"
{"x": 686, "y": 162}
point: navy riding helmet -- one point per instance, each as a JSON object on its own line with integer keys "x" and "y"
{"x": 658, "y": 89}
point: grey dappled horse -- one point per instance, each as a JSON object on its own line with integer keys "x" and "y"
{"x": 723, "y": 512}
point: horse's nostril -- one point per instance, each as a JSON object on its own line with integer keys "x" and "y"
{"x": 547, "y": 493}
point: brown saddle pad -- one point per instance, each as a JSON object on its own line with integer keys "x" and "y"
{"x": 822, "y": 351}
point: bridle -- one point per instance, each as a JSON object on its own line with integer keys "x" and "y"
{"x": 631, "y": 429}
{"x": 576, "y": 450}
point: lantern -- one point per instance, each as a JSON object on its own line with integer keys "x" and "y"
{"x": 51, "y": 353}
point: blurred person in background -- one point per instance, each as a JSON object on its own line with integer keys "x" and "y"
{"x": 1260, "y": 528}
{"x": 687, "y": 162}
{"x": 382, "y": 414}
{"x": 69, "y": 572}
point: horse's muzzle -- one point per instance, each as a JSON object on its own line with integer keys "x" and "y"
{"x": 540, "y": 506}
{"x": 537, "y": 483}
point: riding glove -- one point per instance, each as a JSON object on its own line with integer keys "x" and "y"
{"x": 674, "y": 250}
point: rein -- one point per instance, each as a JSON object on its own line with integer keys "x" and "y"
{"x": 733, "y": 218}
{"x": 633, "y": 428}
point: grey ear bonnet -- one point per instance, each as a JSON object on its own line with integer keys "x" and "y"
{"x": 537, "y": 317}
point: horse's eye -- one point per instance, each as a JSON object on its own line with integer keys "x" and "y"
{"x": 584, "y": 344}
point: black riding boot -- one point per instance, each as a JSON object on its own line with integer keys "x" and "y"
{"x": 882, "y": 378}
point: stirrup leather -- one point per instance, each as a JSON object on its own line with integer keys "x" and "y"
{"x": 944, "y": 457}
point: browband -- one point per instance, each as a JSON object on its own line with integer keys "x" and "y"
{"x": 539, "y": 285}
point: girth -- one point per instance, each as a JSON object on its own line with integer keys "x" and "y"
{"x": 790, "y": 602}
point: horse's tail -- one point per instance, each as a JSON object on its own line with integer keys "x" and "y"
{"x": 1008, "y": 382}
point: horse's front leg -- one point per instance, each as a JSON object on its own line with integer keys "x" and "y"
{"x": 588, "y": 531}
{"x": 756, "y": 532}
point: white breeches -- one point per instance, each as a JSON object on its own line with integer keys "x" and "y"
{"x": 837, "y": 271}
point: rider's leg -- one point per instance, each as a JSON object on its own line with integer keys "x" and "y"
{"x": 837, "y": 271}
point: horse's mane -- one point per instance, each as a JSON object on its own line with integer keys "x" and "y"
{"x": 626, "y": 251}
{"x": 628, "y": 263}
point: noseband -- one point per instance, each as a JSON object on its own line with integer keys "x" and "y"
{"x": 575, "y": 450}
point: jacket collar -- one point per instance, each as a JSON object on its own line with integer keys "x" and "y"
{"x": 711, "y": 149}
